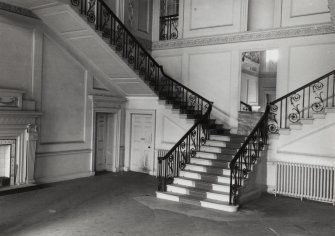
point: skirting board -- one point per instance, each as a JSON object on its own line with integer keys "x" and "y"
{"x": 64, "y": 177}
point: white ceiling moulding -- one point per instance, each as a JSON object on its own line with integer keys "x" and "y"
{"x": 288, "y": 32}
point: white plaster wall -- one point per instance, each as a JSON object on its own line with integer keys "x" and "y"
{"x": 263, "y": 14}
{"x": 201, "y": 18}
{"x": 170, "y": 126}
{"x": 310, "y": 61}
{"x": 301, "y": 12}
{"x": 16, "y": 48}
{"x": 312, "y": 145}
{"x": 41, "y": 65}
{"x": 214, "y": 71}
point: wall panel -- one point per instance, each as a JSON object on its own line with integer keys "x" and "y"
{"x": 209, "y": 75}
{"x": 203, "y": 17}
{"x": 16, "y": 48}
{"x": 309, "y": 62}
{"x": 172, "y": 66}
{"x": 63, "y": 97}
{"x": 301, "y": 12}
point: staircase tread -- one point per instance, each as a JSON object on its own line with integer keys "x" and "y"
{"x": 214, "y": 167}
{"x": 209, "y": 174}
{"x": 195, "y": 198}
{"x": 221, "y": 141}
{"x": 215, "y": 160}
{"x": 197, "y": 189}
{"x": 203, "y": 181}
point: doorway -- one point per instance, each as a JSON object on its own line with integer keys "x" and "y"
{"x": 258, "y": 78}
{"x": 105, "y": 141}
{"x": 142, "y": 143}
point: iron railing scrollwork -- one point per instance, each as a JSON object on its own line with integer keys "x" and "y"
{"x": 247, "y": 156}
{"x": 188, "y": 101}
{"x": 302, "y": 103}
{"x": 168, "y": 27}
{"x": 106, "y": 22}
{"x": 245, "y": 106}
{"x": 179, "y": 156}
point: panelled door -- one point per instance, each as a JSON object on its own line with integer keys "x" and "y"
{"x": 101, "y": 142}
{"x": 142, "y": 143}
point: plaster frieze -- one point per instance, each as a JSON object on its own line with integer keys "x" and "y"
{"x": 278, "y": 33}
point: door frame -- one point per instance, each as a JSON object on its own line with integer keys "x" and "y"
{"x": 127, "y": 157}
{"x": 111, "y": 106}
{"x": 110, "y": 126}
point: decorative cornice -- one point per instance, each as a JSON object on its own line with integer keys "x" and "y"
{"x": 17, "y": 10}
{"x": 288, "y": 32}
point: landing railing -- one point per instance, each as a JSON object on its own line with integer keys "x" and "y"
{"x": 188, "y": 101}
{"x": 245, "y": 106}
{"x": 247, "y": 156}
{"x": 98, "y": 13}
{"x": 168, "y": 27}
{"x": 302, "y": 103}
{"x": 297, "y": 105}
{"x": 176, "y": 159}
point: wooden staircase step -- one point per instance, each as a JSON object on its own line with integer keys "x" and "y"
{"x": 208, "y": 177}
{"x": 199, "y": 192}
{"x": 209, "y": 162}
{"x": 207, "y": 169}
{"x": 202, "y": 184}
{"x": 214, "y": 156}
{"x": 197, "y": 201}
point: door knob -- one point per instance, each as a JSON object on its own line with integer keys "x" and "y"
{"x": 148, "y": 146}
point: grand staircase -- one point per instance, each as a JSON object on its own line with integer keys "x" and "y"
{"x": 208, "y": 166}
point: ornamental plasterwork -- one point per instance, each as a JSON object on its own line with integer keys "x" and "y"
{"x": 289, "y": 32}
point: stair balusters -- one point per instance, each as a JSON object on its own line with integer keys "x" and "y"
{"x": 187, "y": 101}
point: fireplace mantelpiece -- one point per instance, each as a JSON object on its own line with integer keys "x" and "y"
{"x": 20, "y": 126}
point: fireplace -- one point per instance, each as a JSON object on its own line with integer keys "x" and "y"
{"x": 7, "y": 155}
{"x": 18, "y": 137}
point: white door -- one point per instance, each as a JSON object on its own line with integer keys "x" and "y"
{"x": 142, "y": 143}
{"x": 101, "y": 138}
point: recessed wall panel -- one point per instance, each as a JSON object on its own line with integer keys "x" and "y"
{"x": 63, "y": 97}
{"x": 143, "y": 16}
{"x": 209, "y": 75}
{"x": 309, "y": 62}
{"x": 214, "y": 13}
{"x": 308, "y": 7}
{"x": 16, "y": 48}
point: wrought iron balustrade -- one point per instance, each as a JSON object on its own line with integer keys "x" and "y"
{"x": 188, "y": 101}
{"x": 302, "y": 103}
{"x": 169, "y": 27}
{"x": 176, "y": 159}
{"x": 247, "y": 155}
{"x": 245, "y": 106}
